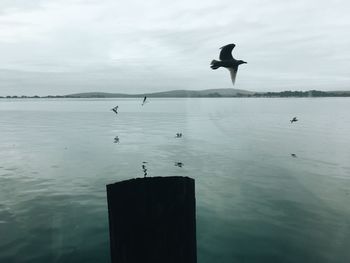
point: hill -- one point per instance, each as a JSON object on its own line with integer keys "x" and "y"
{"x": 168, "y": 94}
{"x": 209, "y": 93}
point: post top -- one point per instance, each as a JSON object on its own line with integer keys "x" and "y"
{"x": 156, "y": 179}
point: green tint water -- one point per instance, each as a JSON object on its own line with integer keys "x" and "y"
{"x": 255, "y": 201}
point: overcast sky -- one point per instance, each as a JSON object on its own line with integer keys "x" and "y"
{"x": 69, "y": 46}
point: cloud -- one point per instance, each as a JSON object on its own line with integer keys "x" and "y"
{"x": 60, "y": 47}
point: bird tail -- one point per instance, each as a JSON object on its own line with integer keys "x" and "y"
{"x": 215, "y": 64}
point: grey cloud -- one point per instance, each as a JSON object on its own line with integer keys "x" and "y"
{"x": 15, "y": 5}
{"x": 132, "y": 46}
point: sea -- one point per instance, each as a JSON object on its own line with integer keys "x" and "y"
{"x": 267, "y": 190}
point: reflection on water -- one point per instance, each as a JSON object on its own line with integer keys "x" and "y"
{"x": 256, "y": 202}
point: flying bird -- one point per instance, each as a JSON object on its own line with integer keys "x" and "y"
{"x": 293, "y": 120}
{"x": 144, "y": 168}
{"x": 179, "y": 164}
{"x": 227, "y": 61}
{"x": 115, "y": 109}
{"x": 144, "y": 100}
{"x": 178, "y": 135}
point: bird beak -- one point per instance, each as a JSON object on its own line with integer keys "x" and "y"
{"x": 245, "y": 62}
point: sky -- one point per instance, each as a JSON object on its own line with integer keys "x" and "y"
{"x": 58, "y": 47}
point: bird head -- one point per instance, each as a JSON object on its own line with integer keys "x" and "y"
{"x": 241, "y": 62}
{"x": 229, "y": 45}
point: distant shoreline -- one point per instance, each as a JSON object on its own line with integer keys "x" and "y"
{"x": 212, "y": 93}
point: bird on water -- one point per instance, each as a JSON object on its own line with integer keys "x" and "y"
{"x": 227, "y": 61}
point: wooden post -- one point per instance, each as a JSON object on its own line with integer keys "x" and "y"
{"x": 152, "y": 220}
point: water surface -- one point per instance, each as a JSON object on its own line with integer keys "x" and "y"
{"x": 267, "y": 190}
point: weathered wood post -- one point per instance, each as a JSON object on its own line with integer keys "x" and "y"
{"x": 152, "y": 220}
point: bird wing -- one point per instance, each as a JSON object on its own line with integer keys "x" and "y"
{"x": 233, "y": 73}
{"x": 226, "y": 51}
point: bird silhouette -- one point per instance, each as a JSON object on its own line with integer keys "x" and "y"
{"x": 115, "y": 109}
{"x": 227, "y": 61}
{"x": 178, "y": 135}
{"x": 144, "y": 169}
{"x": 293, "y": 120}
{"x": 179, "y": 164}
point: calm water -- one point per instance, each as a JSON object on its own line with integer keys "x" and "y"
{"x": 255, "y": 201}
